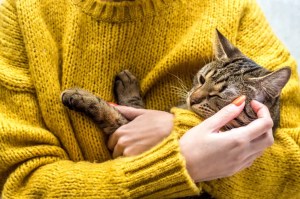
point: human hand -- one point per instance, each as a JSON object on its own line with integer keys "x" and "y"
{"x": 146, "y": 129}
{"x": 210, "y": 155}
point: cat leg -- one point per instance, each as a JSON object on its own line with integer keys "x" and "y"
{"x": 106, "y": 116}
{"x": 127, "y": 90}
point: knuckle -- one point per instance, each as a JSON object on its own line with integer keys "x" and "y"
{"x": 239, "y": 142}
{"x": 126, "y": 152}
{"x": 122, "y": 142}
{"x": 118, "y": 133}
{"x": 268, "y": 123}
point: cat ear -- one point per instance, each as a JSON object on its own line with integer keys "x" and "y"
{"x": 273, "y": 83}
{"x": 223, "y": 49}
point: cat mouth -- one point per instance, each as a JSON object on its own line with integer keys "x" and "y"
{"x": 203, "y": 111}
{"x": 188, "y": 102}
{"x": 191, "y": 102}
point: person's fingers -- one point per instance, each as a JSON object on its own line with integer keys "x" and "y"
{"x": 263, "y": 141}
{"x": 260, "y": 109}
{"x": 263, "y": 114}
{"x": 118, "y": 151}
{"x": 258, "y": 127}
{"x": 226, "y": 114}
{"x": 246, "y": 163}
{"x": 129, "y": 112}
{"x": 113, "y": 140}
{"x": 253, "y": 130}
{"x": 254, "y": 156}
{"x": 250, "y": 160}
{"x": 131, "y": 151}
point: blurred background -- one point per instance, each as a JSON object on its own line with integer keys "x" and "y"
{"x": 284, "y": 17}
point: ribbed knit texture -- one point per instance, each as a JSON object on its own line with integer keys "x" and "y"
{"x": 50, "y": 45}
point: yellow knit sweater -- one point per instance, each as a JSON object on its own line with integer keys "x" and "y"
{"x": 50, "y": 45}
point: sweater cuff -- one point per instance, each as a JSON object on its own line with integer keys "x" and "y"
{"x": 184, "y": 120}
{"x": 159, "y": 173}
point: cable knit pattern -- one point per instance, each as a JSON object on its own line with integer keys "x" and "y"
{"x": 47, "y": 151}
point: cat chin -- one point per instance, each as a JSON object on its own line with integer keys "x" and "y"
{"x": 196, "y": 109}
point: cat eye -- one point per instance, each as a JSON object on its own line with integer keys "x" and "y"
{"x": 212, "y": 95}
{"x": 202, "y": 79}
{"x": 223, "y": 88}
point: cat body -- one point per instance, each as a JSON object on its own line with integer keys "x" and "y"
{"x": 216, "y": 85}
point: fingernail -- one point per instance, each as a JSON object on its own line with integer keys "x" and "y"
{"x": 238, "y": 101}
{"x": 112, "y": 104}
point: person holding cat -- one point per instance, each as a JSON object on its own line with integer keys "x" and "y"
{"x": 50, "y": 152}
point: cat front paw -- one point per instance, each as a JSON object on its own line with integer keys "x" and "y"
{"x": 127, "y": 90}
{"x": 79, "y": 100}
{"x": 106, "y": 116}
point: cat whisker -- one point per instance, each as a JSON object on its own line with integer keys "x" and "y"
{"x": 181, "y": 93}
{"x": 210, "y": 58}
{"x": 203, "y": 59}
{"x": 180, "y": 81}
{"x": 179, "y": 89}
{"x": 207, "y": 57}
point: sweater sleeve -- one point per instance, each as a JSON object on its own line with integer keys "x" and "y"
{"x": 277, "y": 173}
{"x": 33, "y": 162}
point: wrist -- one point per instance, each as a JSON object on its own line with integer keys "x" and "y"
{"x": 186, "y": 153}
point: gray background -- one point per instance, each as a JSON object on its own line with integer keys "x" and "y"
{"x": 284, "y": 17}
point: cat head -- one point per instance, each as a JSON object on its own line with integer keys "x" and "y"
{"x": 231, "y": 75}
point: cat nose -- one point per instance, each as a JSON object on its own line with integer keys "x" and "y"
{"x": 197, "y": 97}
{"x": 195, "y": 101}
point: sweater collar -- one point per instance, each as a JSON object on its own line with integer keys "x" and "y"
{"x": 124, "y": 10}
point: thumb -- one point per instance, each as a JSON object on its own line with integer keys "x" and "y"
{"x": 129, "y": 112}
{"x": 226, "y": 114}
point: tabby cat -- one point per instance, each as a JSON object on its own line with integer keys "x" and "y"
{"x": 217, "y": 84}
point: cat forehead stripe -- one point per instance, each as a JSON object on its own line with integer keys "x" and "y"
{"x": 206, "y": 70}
{"x": 210, "y": 73}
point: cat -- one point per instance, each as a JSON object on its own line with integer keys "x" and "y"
{"x": 216, "y": 85}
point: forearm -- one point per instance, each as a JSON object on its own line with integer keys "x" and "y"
{"x": 159, "y": 173}
{"x": 156, "y": 175}
{"x": 35, "y": 164}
